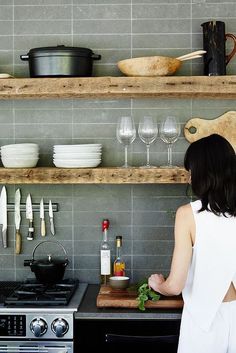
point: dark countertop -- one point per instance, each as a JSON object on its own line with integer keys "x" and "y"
{"x": 89, "y": 311}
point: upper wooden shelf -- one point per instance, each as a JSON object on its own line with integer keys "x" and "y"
{"x": 110, "y": 175}
{"x": 217, "y": 87}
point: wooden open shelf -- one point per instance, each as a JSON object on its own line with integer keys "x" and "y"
{"x": 217, "y": 87}
{"x": 110, "y": 175}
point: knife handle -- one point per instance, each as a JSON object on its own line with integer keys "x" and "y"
{"x": 18, "y": 242}
{"x": 43, "y": 227}
{"x": 30, "y": 235}
{"x": 52, "y": 226}
{"x": 4, "y": 238}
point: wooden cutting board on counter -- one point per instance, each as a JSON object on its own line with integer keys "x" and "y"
{"x": 110, "y": 298}
{"x": 224, "y": 125}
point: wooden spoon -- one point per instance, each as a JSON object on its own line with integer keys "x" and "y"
{"x": 193, "y": 55}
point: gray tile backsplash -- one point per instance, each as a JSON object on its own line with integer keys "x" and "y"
{"x": 142, "y": 214}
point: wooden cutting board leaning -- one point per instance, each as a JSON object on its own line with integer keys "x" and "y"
{"x": 110, "y": 298}
{"x": 224, "y": 125}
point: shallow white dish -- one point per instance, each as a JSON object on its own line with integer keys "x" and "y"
{"x": 79, "y": 144}
{"x": 19, "y": 162}
{"x": 73, "y": 163}
{"x": 77, "y": 148}
{"x": 80, "y": 150}
{"x": 77, "y": 155}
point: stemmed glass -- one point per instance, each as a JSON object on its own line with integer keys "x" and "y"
{"x": 126, "y": 134}
{"x": 147, "y": 131}
{"x": 169, "y": 133}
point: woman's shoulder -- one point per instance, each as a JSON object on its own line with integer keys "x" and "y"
{"x": 184, "y": 210}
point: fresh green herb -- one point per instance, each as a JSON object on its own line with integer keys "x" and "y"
{"x": 146, "y": 293}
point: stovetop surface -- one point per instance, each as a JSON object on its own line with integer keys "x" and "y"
{"x": 7, "y": 300}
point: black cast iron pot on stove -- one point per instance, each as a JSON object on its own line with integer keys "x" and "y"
{"x": 60, "y": 61}
{"x": 48, "y": 270}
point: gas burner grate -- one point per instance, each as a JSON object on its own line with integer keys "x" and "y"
{"x": 42, "y": 294}
{"x": 6, "y": 288}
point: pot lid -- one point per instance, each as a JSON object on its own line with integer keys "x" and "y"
{"x": 60, "y": 50}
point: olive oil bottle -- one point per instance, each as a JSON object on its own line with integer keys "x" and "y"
{"x": 119, "y": 264}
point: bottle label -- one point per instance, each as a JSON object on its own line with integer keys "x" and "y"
{"x": 105, "y": 262}
{"x": 119, "y": 268}
{"x": 119, "y": 273}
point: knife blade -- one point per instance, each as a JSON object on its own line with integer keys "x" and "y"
{"x": 29, "y": 216}
{"x": 3, "y": 215}
{"x": 52, "y": 229}
{"x": 43, "y": 226}
{"x": 17, "y": 221}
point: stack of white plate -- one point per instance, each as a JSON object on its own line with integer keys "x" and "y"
{"x": 77, "y": 156}
{"x": 21, "y": 155}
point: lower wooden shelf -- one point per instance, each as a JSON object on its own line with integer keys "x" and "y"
{"x": 111, "y": 175}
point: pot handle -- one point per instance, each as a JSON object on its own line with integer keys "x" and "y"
{"x": 27, "y": 262}
{"x": 49, "y": 241}
{"x": 96, "y": 56}
{"x": 24, "y": 57}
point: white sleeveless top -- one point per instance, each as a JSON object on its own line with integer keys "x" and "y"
{"x": 213, "y": 265}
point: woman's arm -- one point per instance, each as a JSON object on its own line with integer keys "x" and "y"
{"x": 184, "y": 227}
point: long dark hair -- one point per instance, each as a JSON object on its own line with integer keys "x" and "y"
{"x": 212, "y": 163}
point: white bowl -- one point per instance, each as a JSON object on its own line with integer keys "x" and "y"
{"x": 77, "y": 155}
{"x": 17, "y": 146}
{"x": 19, "y": 155}
{"x": 119, "y": 282}
{"x": 76, "y": 163}
{"x": 19, "y": 162}
{"x": 13, "y": 151}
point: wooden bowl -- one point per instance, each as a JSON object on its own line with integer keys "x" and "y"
{"x": 149, "y": 66}
{"x": 119, "y": 282}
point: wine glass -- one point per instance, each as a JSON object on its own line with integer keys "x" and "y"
{"x": 147, "y": 131}
{"x": 169, "y": 133}
{"x": 126, "y": 134}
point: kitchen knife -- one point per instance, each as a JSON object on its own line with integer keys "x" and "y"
{"x": 29, "y": 216}
{"x": 3, "y": 215}
{"x": 17, "y": 221}
{"x": 43, "y": 226}
{"x": 51, "y": 218}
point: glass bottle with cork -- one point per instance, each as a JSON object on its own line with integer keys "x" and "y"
{"x": 119, "y": 264}
{"x": 105, "y": 254}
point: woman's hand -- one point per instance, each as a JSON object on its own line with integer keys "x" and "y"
{"x": 155, "y": 280}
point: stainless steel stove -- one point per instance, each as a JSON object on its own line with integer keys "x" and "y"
{"x": 29, "y": 323}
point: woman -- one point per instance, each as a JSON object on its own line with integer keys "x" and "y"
{"x": 204, "y": 259}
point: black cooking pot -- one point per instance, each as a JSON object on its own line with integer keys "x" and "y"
{"x": 48, "y": 270}
{"x": 60, "y": 61}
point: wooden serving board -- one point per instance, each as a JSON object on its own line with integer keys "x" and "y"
{"x": 224, "y": 125}
{"x": 110, "y": 298}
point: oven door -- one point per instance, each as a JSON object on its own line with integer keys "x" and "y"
{"x": 159, "y": 336}
{"x": 33, "y": 347}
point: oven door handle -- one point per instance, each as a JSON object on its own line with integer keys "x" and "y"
{"x": 28, "y": 349}
{"x": 114, "y": 338}
{"x": 9, "y": 349}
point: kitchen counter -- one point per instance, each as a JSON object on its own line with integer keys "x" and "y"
{"x": 88, "y": 310}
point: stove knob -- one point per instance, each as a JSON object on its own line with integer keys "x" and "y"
{"x": 38, "y": 327}
{"x": 60, "y": 327}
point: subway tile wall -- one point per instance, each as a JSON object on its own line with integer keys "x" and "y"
{"x": 143, "y": 214}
